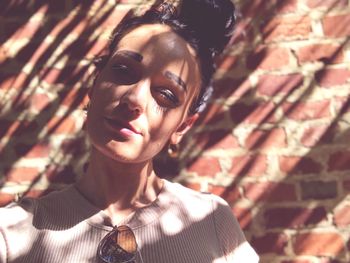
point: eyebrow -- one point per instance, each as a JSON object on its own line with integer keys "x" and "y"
{"x": 175, "y": 78}
{"x": 131, "y": 54}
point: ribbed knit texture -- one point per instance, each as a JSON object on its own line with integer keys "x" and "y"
{"x": 180, "y": 226}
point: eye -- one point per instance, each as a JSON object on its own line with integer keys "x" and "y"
{"x": 165, "y": 97}
{"x": 124, "y": 74}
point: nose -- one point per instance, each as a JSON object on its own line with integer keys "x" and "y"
{"x": 135, "y": 98}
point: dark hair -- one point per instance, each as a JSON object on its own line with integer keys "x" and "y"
{"x": 206, "y": 25}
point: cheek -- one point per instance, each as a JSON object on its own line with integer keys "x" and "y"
{"x": 106, "y": 96}
{"x": 162, "y": 124}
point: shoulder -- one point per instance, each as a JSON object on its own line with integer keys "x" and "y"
{"x": 184, "y": 193}
{"x": 227, "y": 229}
{"x": 17, "y": 213}
{"x": 15, "y": 220}
{"x": 200, "y": 202}
{"x": 29, "y": 211}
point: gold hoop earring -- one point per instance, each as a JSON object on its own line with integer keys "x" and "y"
{"x": 174, "y": 151}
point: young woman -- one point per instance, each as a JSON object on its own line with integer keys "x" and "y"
{"x": 147, "y": 94}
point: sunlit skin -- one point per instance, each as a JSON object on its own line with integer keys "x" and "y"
{"x": 139, "y": 104}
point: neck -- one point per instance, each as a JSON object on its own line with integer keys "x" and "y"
{"x": 119, "y": 188}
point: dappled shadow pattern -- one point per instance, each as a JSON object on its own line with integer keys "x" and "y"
{"x": 47, "y": 49}
{"x": 273, "y": 141}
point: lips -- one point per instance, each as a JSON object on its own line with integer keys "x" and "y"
{"x": 123, "y": 127}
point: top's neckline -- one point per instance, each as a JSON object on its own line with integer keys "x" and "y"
{"x": 140, "y": 217}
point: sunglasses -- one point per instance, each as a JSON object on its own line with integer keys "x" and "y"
{"x": 118, "y": 246}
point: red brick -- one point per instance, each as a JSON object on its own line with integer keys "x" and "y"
{"x": 10, "y": 81}
{"x": 3, "y": 53}
{"x": 39, "y": 101}
{"x": 268, "y": 58}
{"x": 21, "y": 174}
{"x": 17, "y": 8}
{"x": 231, "y": 87}
{"x": 6, "y": 198}
{"x": 287, "y": 28}
{"x": 328, "y": 53}
{"x": 270, "y": 243}
{"x": 194, "y": 186}
{"x": 346, "y": 185}
{"x": 243, "y": 215}
{"x": 35, "y": 53}
{"x": 7, "y": 127}
{"x": 75, "y": 97}
{"x": 66, "y": 24}
{"x": 332, "y": 77}
{"x": 254, "y": 7}
{"x": 249, "y": 165}
{"x": 318, "y": 244}
{"x": 294, "y": 217}
{"x": 26, "y": 30}
{"x": 40, "y": 150}
{"x": 98, "y": 48}
{"x": 271, "y": 85}
{"x": 342, "y": 105}
{"x": 329, "y": 4}
{"x": 286, "y": 6}
{"x": 231, "y": 193}
{"x": 207, "y": 166}
{"x": 336, "y": 26}
{"x": 257, "y": 8}
{"x": 25, "y": 128}
{"x": 240, "y": 111}
{"x": 342, "y": 216}
{"x": 269, "y": 192}
{"x": 115, "y": 16}
{"x": 37, "y": 193}
{"x": 317, "y": 134}
{"x": 220, "y": 139}
{"x": 216, "y": 189}
{"x": 299, "y": 165}
{"x": 78, "y": 49}
{"x": 51, "y": 75}
{"x": 339, "y": 161}
{"x": 301, "y": 111}
{"x": 266, "y": 139}
{"x": 253, "y": 114}
{"x": 62, "y": 125}
{"x": 213, "y": 114}
{"x": 227, "y": 62}
{"x": 297, "y": 261}
{"x": 318, "y": 190}
{"x": 244, "y": 31}
{"x": 69, "y": 75}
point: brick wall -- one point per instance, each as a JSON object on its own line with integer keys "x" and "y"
{"x": 274, "y": 141}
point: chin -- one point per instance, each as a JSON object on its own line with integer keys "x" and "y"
{"x": 120, "y": 153}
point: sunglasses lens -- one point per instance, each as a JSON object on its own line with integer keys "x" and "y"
{"x": 126, "y": 239}
{"x": 118, "y": 246}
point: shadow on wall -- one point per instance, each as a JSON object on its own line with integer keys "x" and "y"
{"x": 46, "y": 50}
{"x": 274, "y": 140}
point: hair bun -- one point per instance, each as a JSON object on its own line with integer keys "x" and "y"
{"x": 211, "y": 20}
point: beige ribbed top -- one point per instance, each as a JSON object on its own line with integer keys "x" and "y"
{"x": 180, "y": 226}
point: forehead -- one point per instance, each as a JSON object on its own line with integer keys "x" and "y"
{"x": 161, "y": 47}
{"x": 158, "y": 39}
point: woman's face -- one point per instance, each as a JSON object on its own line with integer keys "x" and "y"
{"x": 141, "y": 98}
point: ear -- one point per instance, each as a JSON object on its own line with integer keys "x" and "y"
{"x": 176, "y": 137}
